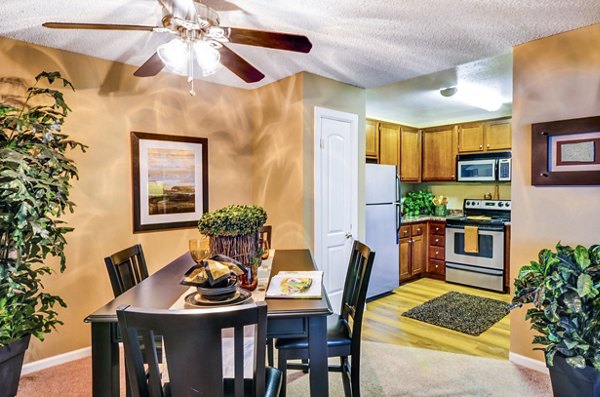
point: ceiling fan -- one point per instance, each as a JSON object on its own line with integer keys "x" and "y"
{"x": 201, "y": 41}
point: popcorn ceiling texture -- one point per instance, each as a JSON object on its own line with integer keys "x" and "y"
{"x": 359, "y": 42}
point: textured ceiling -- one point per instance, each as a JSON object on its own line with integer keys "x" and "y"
{"x": 366, "y": 43}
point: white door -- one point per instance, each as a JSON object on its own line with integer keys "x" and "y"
{"x": 336, "y": 196}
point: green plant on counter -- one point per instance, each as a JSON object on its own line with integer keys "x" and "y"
{"x": 419, "y": 202}
{"x": 564, "y": 287}
{"x": 233, "y": 220}
{"x": 35, "y": 177}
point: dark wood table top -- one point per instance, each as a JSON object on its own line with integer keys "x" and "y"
{"x": 162, "y": 289}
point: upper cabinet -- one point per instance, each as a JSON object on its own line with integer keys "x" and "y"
{"x": 498, "y": 135}
{"x": 484, "y": 136}
{"x": 389, "y": 144}
{"x": 470, "y": 137}
{"x": 410, "y": 154}
{"x": 439, "y": 154}
{"x": 430, "y": 154}
{"x": 372, "y": 139}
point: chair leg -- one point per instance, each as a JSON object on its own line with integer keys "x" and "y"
{"x": 355, "y": 375}
{"x": 305, "y": 369}
{"x": 345, "y": 376}
{"x": 282, "y": 366}
{"x": 270, "y": 352}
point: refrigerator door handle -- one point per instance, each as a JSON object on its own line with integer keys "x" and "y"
{"x": 398, "y": 221}
{"x": 397, "y": 188}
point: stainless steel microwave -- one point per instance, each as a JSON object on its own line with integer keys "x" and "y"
{"x": 484, "y": 167}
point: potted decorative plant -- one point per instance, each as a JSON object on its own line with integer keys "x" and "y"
{"x": 418, "y": 202}
{"x": 564, "y": 287}
{"x": 233, "y": 232}
{"x": 34, "y": 192}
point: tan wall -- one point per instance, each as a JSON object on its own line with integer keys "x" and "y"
{"x": 278, "y": 160}
{"x": 555, "y": 78}
{"x": 108, "y": 104}
{"x": 322, "y": 92}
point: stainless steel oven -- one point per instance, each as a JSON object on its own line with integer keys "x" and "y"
{"x": 484, "y": 268}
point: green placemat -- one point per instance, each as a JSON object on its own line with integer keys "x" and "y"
{"x": 460, "y": 312}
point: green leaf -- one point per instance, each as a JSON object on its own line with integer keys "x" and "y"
{"x": 585, "y": 286}
{"x": 582, "y": 257}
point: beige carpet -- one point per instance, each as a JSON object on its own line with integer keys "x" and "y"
{"x": 387, "y": 370}
{"x": 390, "y": 370}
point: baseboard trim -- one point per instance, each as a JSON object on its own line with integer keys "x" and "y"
{"x": 527, "y": 362}
{"x": 44, "y": 363}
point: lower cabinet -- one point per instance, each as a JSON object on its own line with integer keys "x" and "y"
{"x": 436, "y": 263}
{"x": 412, "y": 250}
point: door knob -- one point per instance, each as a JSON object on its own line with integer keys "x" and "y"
{"x": 348, "y": 235}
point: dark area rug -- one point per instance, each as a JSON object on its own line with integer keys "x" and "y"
{"x": 460, "y": 312}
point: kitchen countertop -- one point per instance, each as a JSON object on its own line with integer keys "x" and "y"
{"x": 424, "y": 218}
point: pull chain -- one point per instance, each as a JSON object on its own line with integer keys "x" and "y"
{"x": 190, "y": 78}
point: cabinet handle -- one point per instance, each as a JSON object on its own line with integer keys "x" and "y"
{"x": 437, "y": 229}
{"x": 437, "y": 240}
{"x": 480, "y": 146}
{"x": 488, "y": 145}
{"x": 437, "y": 252}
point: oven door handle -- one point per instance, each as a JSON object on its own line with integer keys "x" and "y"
{"x": 495, "y": 228}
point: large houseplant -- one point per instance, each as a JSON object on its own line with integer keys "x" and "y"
{"x": 564, "y": 287}
{"x": 233, "y": 231}
{"x": 35, "y": 180}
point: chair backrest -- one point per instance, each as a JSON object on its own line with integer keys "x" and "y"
{"x": 355, "y": 289}
{"x": 265, "y": 231}
{"x": 126, "y": 268}
{"x": 193, "y": 343}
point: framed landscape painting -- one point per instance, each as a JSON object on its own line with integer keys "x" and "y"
{"x": 170, "y": 181}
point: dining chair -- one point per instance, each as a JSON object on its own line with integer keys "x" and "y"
{"x": 126, "y": 268}
{"x": 194, "y": 346}
{"x": 343, "y": 330}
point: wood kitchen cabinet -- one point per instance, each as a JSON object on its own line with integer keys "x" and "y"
{"x": 470, "y": 137}
{"x": 498, "y": 135}
{"x": 372, "y": 139}
{"x": 436, "y": 260}
{"x": 412, "y": 250}
{"x": 389, "y": 144}
{"x": 410, "y": 154}
{"x": 484, "y": 136}
{"x": 439, "y": 154}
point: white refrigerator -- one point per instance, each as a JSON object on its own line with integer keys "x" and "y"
{"x": 382, "y": 198}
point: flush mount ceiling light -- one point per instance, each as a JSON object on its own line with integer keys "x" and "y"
{"x": 200, "y": 41}
{"x": 448, "y": 92}
{"x": 474, "y": 95}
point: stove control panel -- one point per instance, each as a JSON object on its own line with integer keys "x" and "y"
{"x": 497, "y": 205}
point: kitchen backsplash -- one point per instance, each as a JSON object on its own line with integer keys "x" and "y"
{"x": 458, "y": 192}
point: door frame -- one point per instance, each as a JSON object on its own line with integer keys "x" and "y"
{"x": 352, "y": 118}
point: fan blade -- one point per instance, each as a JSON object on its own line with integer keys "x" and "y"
{"x": 260, "y": 38}
{"x": 151, "y": 67}
{"x": 182, "y": 9}
{"x": 99, "y": 26}
{"x": 240, "y": 66}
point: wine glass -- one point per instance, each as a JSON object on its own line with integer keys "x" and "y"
{"x": 199, "y": 248}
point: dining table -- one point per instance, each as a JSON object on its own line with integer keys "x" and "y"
{"x": 286, "y": 318}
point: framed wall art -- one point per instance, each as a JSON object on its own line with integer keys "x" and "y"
{"x": 566, "y": 152}
{"x": 170, "y": 181}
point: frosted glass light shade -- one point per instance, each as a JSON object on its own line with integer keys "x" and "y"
{"x": 174, "y": 55}
{"x": 207, "y": 57}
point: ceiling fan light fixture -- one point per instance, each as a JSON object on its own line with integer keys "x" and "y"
{"x": 207, "y": 57}
{"x": 174, "y": 55}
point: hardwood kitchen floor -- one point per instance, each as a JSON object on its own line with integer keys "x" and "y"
{"x": 383, "y": 322}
